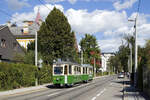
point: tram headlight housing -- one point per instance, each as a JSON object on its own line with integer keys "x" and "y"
{"x": 57, "y": 79}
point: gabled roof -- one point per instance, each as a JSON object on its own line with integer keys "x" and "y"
{"x": 11, "y": 45}
{"x": 18, "y": 31}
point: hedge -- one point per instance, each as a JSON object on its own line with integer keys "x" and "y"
{"x": 14, "y": 76}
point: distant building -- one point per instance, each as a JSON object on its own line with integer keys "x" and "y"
{"x": 104, "y": 60}
{"x": 8, "y": 45}
{"x": 26, "y": 33}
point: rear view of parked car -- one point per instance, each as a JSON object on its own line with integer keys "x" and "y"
{"x": 121, "y": 75}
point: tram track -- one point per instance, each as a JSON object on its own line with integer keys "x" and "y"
{"x": 54, "y": 93}
{"x": 33, "y": 94}
{"x": 88, "y": 87}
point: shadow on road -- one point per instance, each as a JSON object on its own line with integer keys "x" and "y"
{"x": 63, "y": 87}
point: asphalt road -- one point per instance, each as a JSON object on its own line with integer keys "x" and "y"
{"x": 105, "y": 88}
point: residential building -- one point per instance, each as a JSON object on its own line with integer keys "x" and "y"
{"x": 26, "y": 34}
{"x": 105, "y": 60}
{"x": 9, "y": 47}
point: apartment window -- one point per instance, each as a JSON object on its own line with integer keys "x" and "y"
{"x": 3, "y": 43}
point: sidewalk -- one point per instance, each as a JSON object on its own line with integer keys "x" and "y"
{"x": 130, "y": 93}
{"x": 31, "y": 89}
{"x": 23, "y": 90}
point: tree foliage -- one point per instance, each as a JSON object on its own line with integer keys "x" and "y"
{"x": 90, "y": 49}
{"x": 55, "y": 38}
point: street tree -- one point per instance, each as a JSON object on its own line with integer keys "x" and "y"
{"x": 55, "y": 38}
{"x": 89, "y": 47}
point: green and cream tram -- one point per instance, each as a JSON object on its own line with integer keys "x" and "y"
{"x": 67, "y": 73}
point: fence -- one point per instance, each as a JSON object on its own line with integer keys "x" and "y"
{"x": 146, "y": 80}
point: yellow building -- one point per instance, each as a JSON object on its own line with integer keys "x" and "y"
{"x": 26, "y": 34}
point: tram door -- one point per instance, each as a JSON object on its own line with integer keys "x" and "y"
{"x": 66, "y": 70}
{"x": 66, "y": 73}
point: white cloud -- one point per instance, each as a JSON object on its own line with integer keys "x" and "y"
{"x": 97, "y": 21}
{"x": 16, "y": 4}
{"x": 53, "y": 1}
{"x": 126, "y": 4}
{"x": 32, "y": 15}
{"x": 111, "y": 25}
{"x": 109, "y": 45}
{"x": 72, "y": 1}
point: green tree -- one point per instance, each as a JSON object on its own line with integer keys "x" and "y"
{"x": 28, "y": 58}
{"x": 90, "y": 49}
{"x": 55, "y": 38}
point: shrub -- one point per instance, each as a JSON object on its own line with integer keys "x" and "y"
{"x": 14, "y": 76}
{"x": 45, "y": 74}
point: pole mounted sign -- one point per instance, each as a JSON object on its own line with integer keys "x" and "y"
{"x": 40, "y": 63}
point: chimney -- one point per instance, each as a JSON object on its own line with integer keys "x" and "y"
{"x": 25, "y": 28}
{"x": 9, "y": 24}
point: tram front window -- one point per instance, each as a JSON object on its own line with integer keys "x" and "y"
{"x": 58, "y": 70}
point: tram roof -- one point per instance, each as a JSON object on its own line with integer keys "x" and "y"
{"x": 87, "y": 65}
{"x": 71, "y": 63}
{"x": 67, "y": 62}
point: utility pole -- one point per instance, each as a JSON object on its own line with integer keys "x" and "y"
{"x": 130, "y": 58}
{"x": 81, "y": 57}
{"x": 36, "y": 79}
{"x": 136, "y": 50}
{"x": 94, "y": 67}
{"x": 135, "y": 69}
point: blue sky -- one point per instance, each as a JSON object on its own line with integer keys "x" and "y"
{"x": 105, "y": 19}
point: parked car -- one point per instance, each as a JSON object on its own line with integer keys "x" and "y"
{"x": 121, "y": 75}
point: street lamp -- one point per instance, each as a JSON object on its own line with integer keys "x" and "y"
{"x": 36, "y": 79}
{"x": 130, "y": 58}
{"x": 135, "y": 69}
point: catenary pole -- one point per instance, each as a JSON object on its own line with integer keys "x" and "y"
{"x": 36, "y": 81}
{"x": 135, "y": 69}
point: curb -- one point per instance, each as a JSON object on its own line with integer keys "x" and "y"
{"x": 100, "y": 76}
{"x": 22, "y": 90}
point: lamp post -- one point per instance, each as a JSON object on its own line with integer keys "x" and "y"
{"x": 94, "y": 68}
{"x": 81, "y": 56}
{"x": 36, "y": 79}
{"x": 130, "y": 58}
{"x": 135, "y": 69}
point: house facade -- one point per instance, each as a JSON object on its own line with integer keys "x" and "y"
{"x": 25, "y": 34}
{"x": 9, "y": 47}
{"x": 105, "y": 60}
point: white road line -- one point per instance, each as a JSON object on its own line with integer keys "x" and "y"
{"x": 53, "y": 94}
{"x": 93, "y": 98}
{"x": 101, "y": 92}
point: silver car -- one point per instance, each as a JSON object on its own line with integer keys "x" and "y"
{"x": 121, "y": 75}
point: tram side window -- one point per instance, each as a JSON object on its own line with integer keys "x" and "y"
{"x": 79, "y": 70}
{"x": 58, "y": 70}
{"x": 65, "y": 70}
{"x": 86, "y": 70}
{"x": 83, "y": 70}
{"x": 70, "y": 69}
{"x": 74, "y": 69}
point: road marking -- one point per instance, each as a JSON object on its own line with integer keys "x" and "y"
{"x": 101, "y": 92}
{"x": 53, "y": 94}
{"x": 111, "y": 83}
{"x": 93, "y": 98}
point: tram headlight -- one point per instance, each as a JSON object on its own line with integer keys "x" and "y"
{"x": 57, "y": 79}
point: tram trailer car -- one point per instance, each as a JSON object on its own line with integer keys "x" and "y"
{"x": 67, "y": 73}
